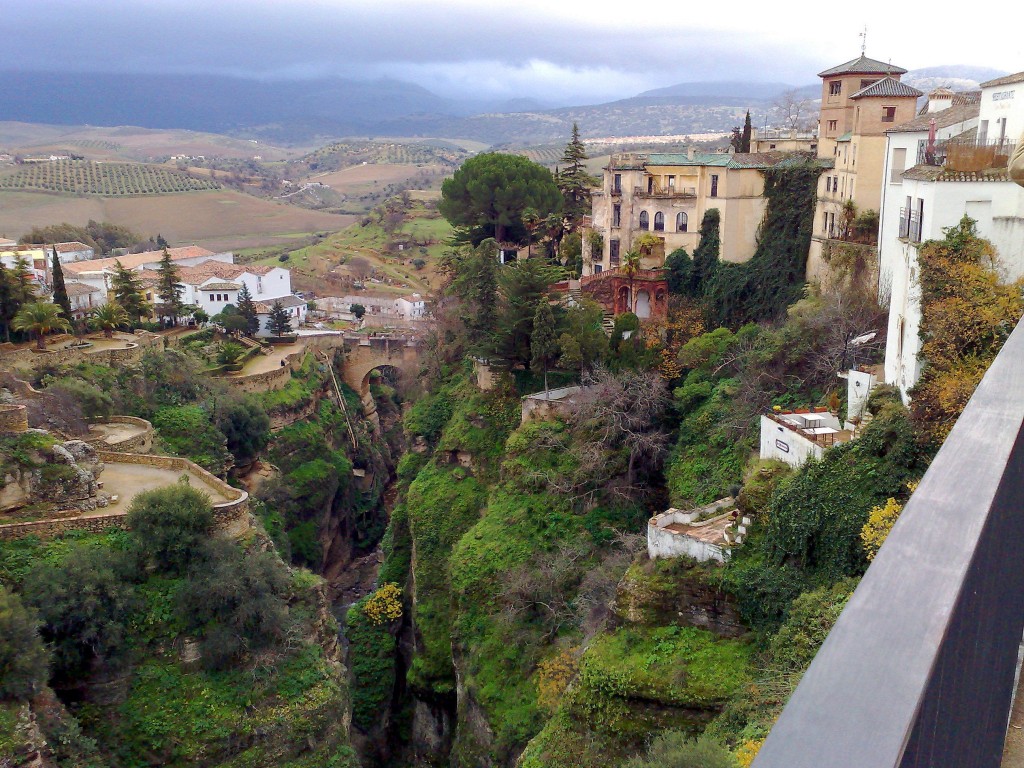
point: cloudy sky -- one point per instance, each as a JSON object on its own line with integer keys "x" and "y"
{"x": 559, "y": 50}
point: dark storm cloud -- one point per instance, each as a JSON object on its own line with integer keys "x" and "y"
{"x": 445, "y": 48}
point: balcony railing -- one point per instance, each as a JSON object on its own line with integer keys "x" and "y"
{"x": 910, "y": 225}
{"x": 919, "y": 670}
{"x": 656, "y": 191}
{"x": 967, "y": 156}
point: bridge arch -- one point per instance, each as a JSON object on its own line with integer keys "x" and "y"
{"x": 364, "y": 355}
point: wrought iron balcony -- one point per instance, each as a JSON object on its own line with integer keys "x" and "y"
{"x": 672, "y": 192}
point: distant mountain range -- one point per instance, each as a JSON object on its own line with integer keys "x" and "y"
{"x": 306, "y": 110}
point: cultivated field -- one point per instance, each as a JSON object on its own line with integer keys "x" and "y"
{"x": 214, "y": 219}
{"x": 132, "y": 143}
{"x": 85, "y": 177}
{"x": 358, "y": 180}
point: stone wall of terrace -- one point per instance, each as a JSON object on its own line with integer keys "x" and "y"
{"x": 230, "y": 517}
{"x": 13, "y": 418}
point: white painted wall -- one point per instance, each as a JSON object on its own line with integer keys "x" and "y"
{"x": 662, "y": 543}
{"x": 784, "y": 444}
{"x": 858, "y": 387}
{"x": 1002, "y": 102}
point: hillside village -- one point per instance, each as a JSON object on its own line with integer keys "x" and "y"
{"x": 602, "y": 493}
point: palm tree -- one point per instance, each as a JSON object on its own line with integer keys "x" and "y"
{"x": 40, "y": 318}
{"x": 631, "y": 268}
{"x": 109, "y": 317}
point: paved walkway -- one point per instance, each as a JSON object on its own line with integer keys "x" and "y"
{"x": 262, "y": 363}
{"x": 114, "y": 433}
{"x": 128, "y": 480}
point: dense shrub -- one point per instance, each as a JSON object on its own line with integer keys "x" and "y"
{"x": 246, "y": 427}
{"x": 93, "y": 401}
{"x": 676, "y": 749}
{"x": 188, "y": 430}
{"x": 85, "y": 602}
{"x": 172, "y": 526}
{"x": 23, "y": 658}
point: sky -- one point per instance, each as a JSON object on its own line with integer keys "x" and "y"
{"x": 560, "y": 51}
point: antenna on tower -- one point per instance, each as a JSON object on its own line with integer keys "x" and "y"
{"x": 863, "y": 40}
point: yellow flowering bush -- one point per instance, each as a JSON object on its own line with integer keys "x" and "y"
{"x": 384, "y": 605}
{"x": 553, "y": 676}
{"x": 747, "y": 751}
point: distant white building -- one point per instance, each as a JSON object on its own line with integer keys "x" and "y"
{"x": 796, "y": 436}
{"x": 930, "y": 186}
{"x": 412, "y": 307}
{"x": 73, "y": 251}
{"x": 84, "y": 298}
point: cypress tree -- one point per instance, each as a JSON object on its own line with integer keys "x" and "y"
{"x": 8, "y": 305}
{"x": 543, "y": 342}
{"x": 60, "y": 291}
{"x": 169, "y": 289}
{"x": 747, "y": 131}
{"x": 574, "y": 181}
{"x": 247, "y": 309}
{"x": 280, "y": 321}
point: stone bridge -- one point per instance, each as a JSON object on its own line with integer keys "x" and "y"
{"x": 365, "y": 354}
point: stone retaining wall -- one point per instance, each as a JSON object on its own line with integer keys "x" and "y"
{"x": 140, "y": 443}
{"x": 13, "y": 418}
{"x": 28, "y": 357}
{"x": 231, "y": 517}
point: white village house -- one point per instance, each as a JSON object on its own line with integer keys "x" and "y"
{"x": 930, "y": 184}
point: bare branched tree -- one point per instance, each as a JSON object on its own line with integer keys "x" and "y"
{"x": 794, "y": 110}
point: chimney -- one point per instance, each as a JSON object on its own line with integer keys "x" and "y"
{"x": 940, "y": 99}
{"x": 691, "y": 152}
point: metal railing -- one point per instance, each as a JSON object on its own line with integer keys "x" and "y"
{"x": 919, "y": 670}
{"x": 657, "y": 191}
{"x": 966, "y": 155}
{"x": 910, "y": 225}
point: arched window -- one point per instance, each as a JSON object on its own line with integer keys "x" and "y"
{"x": 659, "y": 222}
{"x": 681, "y": 222}
{"x": 644, "y": 220}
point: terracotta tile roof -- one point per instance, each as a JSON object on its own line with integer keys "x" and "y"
{"x": 943, "y": 119}
{"x": 197, "y": 274}
{"x": 133, "y": 260}
{"x": 939, "y": 173}
{"x": 888, "y": 87}
{"x": 863, "y": 66}
{"x": 222, "y": 287}
{"x": 264, "y": 307}
{"x": 1005, "y": 80}
{"x": 72, "y": 246}
{"x": 966, "y": 97}
{"x": 79, "y": 289}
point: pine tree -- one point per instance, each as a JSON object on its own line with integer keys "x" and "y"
{"x": 128, "y": 293}
{"x": 247, "y": 309}
{"x": 574, "y": 181}
{"x": 169, "y": 288}
{"x": 60, "y": 291}
{"x": 747, "y": 134}
{"x": 23, "y": 281}
{"x": 280, "y": 321}
{"x": 543, "y": 342}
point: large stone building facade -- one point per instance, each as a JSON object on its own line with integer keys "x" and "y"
{"x": 860, "y": 100}
{"x": 666, "y": 196}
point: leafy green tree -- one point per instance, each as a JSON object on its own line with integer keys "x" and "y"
{"x": 583, "y": 323}
{"x": 24, "y": 661}
{"x": 85, "y": 602}
{"x": 631, "y": 268}
{"x": 246, "y": 427}
{"x": 188, "y": 430}
{"x": 543, "y": 343}
{"x": 231, "y": 320}
{"x": 487, "y": 195}
{"x": 235, "y": 601}
{"x": 168, "y": 288}
{"x": 108, "y": 318}
{"x": 521, "y": 286}
{"x": 60, "y": 291}
{"x": 247, "y": 309}
{"x": 473, "y": 274}
{"x": 23, "y": 280}
{"x": 129, "y": 294}
{"x": 358, "y": 310}
{"x": 9, "y": 305}
{"x": 39, "y": 319}
{"x": 280, "y": 321}
{"x": 574, "y": 181}
{"x": 747, "y": 134}
{"x": 679, "y": 272}
{"x": 171, "y": 526}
